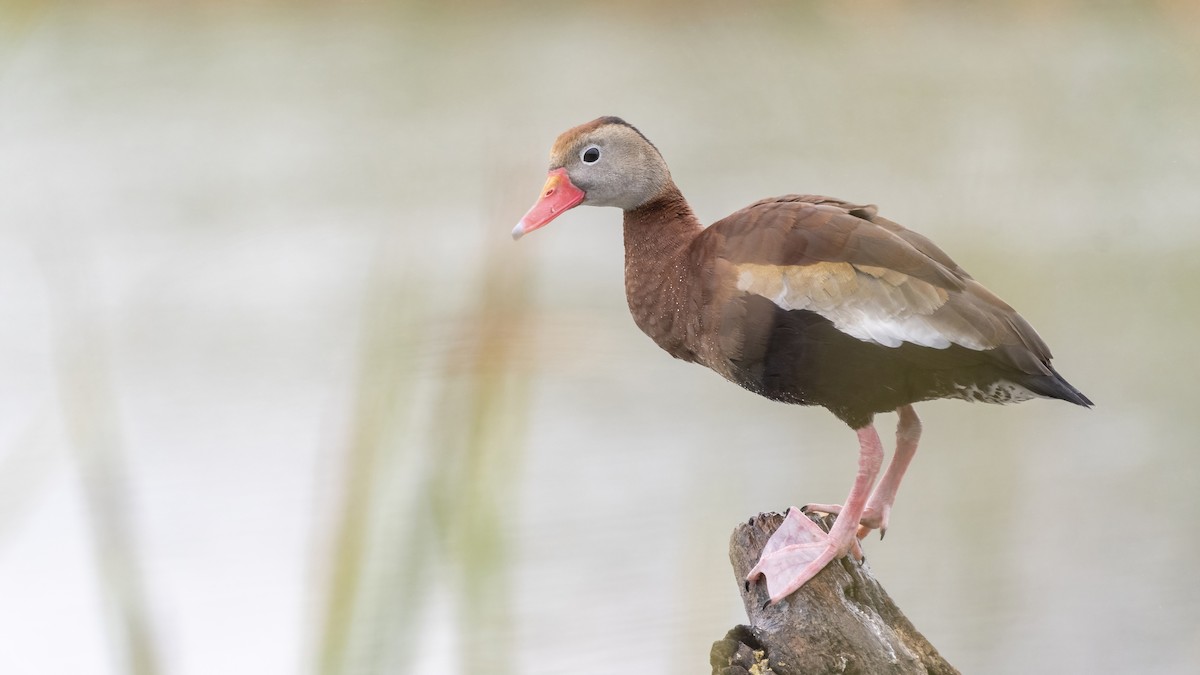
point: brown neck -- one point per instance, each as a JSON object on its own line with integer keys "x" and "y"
{"x": 657, "y": 273}
{"x": 660, "y": 227}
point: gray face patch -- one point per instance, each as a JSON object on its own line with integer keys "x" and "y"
{"x": 615, "y": 166}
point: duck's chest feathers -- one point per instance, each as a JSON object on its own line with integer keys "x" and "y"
{"x": 658, "y": 297}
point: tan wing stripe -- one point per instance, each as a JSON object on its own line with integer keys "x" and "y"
{"x": 871, "y": 303}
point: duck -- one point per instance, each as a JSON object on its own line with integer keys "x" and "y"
{"x": 807, "y": 300}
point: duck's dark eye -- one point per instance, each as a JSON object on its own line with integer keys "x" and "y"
{"x": 591, "y": 155}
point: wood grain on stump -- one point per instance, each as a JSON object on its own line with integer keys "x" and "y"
{"x": 842, "y": 621}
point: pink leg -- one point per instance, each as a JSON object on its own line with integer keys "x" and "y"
{"x": 879, "y": 506}
{"x": 799, "y": 549}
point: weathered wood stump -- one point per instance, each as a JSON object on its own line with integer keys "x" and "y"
{"x": 842, "y": 621}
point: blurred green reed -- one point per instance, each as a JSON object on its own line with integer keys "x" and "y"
{"x": 390, "y": 342}
{"x": 431, "y": 469}
{"x": 479, "y": 430}
{"x": 90, "y": 418}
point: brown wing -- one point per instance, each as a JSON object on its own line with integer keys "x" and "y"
{"x": 872, "y": 278}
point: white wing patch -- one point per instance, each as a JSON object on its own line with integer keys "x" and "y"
{"x": 873, "y": 304}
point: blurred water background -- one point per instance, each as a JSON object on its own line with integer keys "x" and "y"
{"x": 278, "y": 394}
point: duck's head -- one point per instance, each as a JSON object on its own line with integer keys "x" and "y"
{"x": 606, "y": 162}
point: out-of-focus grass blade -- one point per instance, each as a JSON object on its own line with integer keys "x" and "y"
{"x": 478, "y": 434}
{"x": 432, "y": 462}
{"x": 380, "y": 428}
{"x": 88, "y": 401}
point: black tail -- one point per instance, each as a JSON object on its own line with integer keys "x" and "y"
{"x": 1056, "y": 386}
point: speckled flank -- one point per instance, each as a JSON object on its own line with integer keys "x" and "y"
{"x": 996, "y": 392}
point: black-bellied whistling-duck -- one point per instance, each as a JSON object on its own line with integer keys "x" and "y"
{"x": 808, "y": 300}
